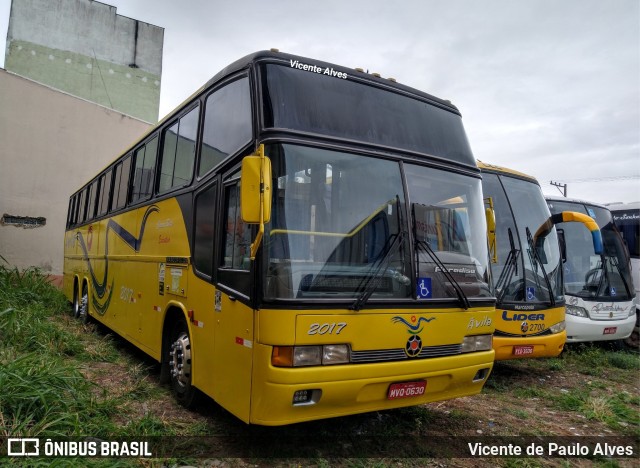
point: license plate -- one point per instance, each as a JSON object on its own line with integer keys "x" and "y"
{"x": 522, "y": 350}
{"x": 610, "y": 331}
{"x": 406, "y": 389}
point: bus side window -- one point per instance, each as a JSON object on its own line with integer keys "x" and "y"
{"x": 105, "y": 183}
{"x": 204, "y": 230}
{"x": 227, "y": 124}
{"x": 74, "y": 215}
{"x": 145, "y": 163}
{"x": 237, "y": 233}
{"x": 236, "y": 243}
{"x": 70, "y": 212}
{"x": 179, "y": 152}
{"x": 121, "y": 184}
{"x": 91, "y": 204}
{"x": 82, "y": 206}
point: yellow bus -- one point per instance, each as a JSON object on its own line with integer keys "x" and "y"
{"x": 528, "y": 265}
{"x": 298, "y": 240}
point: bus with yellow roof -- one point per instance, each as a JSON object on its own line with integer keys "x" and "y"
{"x": 527, "y": 265}
{"x": 297, "y": 240}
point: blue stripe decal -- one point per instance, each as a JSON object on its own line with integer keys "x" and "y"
{"x": 99, "y": 288}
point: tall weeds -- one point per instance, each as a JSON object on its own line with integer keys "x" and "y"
{"x": 41, "y": 392}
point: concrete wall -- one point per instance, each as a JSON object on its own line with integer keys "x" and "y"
{"x": 51, "y": 144}
{"x": 85, "y": 48}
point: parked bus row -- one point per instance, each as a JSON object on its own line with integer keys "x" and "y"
{"x": 300, "y": 240}
{"x": 626, "y": 217}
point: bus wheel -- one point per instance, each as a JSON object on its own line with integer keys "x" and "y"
{"x": 83, "y": 307}
{"x": 76, "y": 301}
{"x": 180, "y": 365}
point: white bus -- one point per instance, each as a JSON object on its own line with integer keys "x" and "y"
{"x": 598, "y": 288}
{"x": 626, "y": 217}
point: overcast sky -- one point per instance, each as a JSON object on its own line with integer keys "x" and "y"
{"x": 547, "y": 87}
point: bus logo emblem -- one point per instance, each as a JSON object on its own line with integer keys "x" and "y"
{"x": 414, "y": 346}
{"x": 414, "y": 343}
{"x": 524, "y": 327}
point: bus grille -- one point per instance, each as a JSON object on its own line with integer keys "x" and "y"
{"x": 612, "y": 312}
{"x": 398, "y": 354}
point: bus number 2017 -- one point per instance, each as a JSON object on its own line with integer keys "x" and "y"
{"x": 326, "y": 328}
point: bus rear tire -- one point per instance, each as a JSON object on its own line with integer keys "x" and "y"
{"x": 83, "y": 306}
{"x": 179, "y": 361}
{"x": 76, "y": 300}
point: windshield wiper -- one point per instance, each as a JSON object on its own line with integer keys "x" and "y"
{"x": 373, "y": 280}
{"x": 537, "y": 261}
{"x": 510, "y": 268}
{"x": 606, "y": 261}
{"x": 456, "y": 286}
{"x": 445, "y": 271}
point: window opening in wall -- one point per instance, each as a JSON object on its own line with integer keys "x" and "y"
{"x": 26, "y": 222}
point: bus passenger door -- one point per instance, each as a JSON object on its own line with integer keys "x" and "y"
{"x": 233, "y": 340}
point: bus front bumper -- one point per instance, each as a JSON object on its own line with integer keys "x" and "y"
{"x": 529, "y": 347}
{"x": 581, "y": 329}
{"x": 359, "y": 388}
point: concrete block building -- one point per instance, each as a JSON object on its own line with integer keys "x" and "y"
{"x": 81, "y": 85}
{"x": 86, "y": 49}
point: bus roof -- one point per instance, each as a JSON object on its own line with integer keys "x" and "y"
{"x": 486, "y": 167}
{"x": 275, "y": 56}
{"x": 574, "y": 200}
{"x": 620, "y": 206}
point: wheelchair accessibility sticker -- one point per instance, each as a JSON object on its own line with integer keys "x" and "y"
{"x": 531, "y": 294}
{"x": 423, "y": 290}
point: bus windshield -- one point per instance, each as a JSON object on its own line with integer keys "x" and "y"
{"x": 591, "y": 276}
{"x": 527, "y": 270}
{"x": 447, "y": 215}
{"x": 338, "y": 226}
{"x": 627, "y": 222}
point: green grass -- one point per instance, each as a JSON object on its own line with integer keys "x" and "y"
{"x": 595, "y": 359}
{"x": 43, "y": 353}
{"x": 46, "y": 356}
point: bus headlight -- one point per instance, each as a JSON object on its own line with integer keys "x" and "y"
{"x": 307, "y": 356}
{"x": 474, "y": 343}
{"x": 558, "y": 327}
{"x": 302, "y": 356}
{"x": 335, "y": 354}
{"x": 632, "y": 310}
{"x": 577, "y": 311}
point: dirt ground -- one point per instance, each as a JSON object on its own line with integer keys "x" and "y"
{"x": 516, "y": 405}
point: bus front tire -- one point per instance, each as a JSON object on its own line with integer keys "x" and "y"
{"x": 179, "y": 361}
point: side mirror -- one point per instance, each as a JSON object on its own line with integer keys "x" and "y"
{"x": 589, "y": 223}
{"x": 255, "y": 189}
{"x": 255, "y": 193}
{"x": 539, "y": 246}
{"x": 563, "y": 245}
{"x": 490, "y": 215}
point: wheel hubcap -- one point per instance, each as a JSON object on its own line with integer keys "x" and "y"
{"x": 82, "y": 310}
{"x": 180, "y": 360}
{"x": 76, "y": 305}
